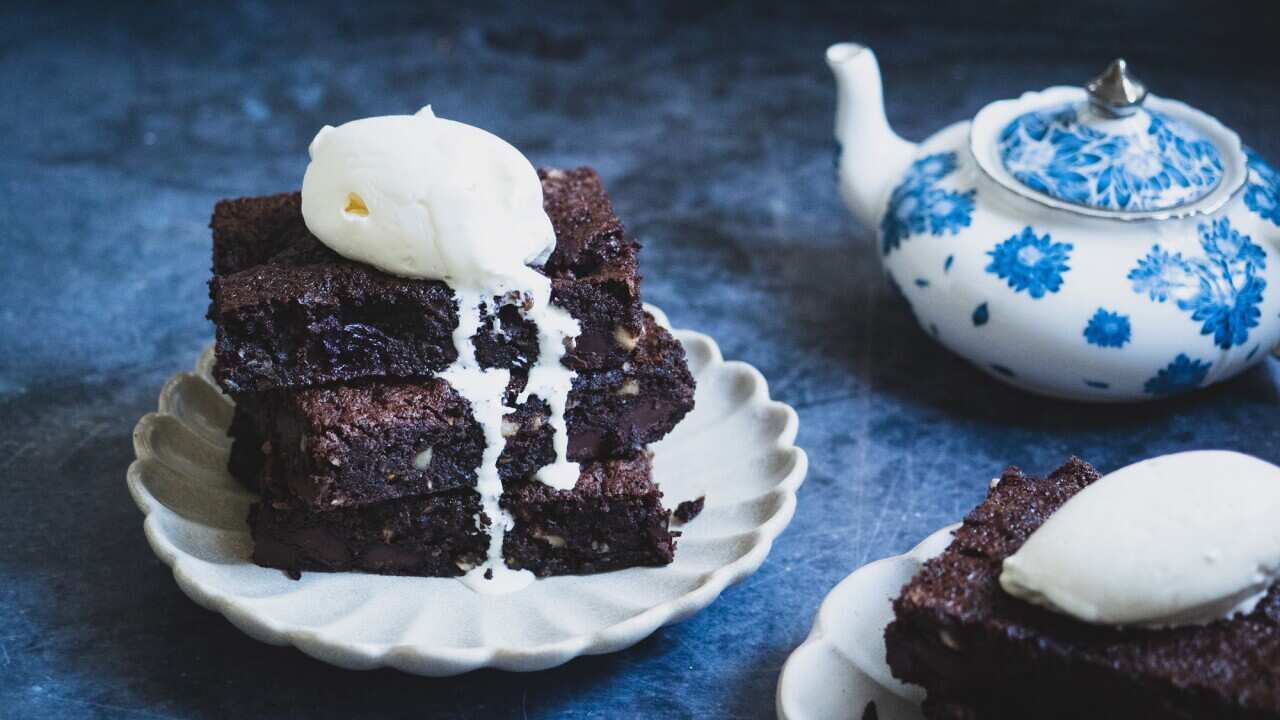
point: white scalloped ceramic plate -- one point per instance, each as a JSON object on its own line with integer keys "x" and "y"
{"x": 736, "y": 447}
{"x": 840, "y": 668}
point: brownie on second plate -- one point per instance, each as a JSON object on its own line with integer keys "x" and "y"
{"x": 982, "y": 653}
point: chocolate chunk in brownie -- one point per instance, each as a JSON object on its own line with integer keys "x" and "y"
{"x": 613, "y": 518}
{"x": 289, "y": 312}
{"x": 981, "y": 653}
{"x": 370, "y": 441}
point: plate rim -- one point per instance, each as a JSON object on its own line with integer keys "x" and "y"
{"x": 820, "y": 634}
{"x": 444, "y": 661}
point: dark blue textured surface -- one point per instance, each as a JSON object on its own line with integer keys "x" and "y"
{"x": 711, "y": 126}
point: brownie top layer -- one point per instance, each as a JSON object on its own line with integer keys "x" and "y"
{"x": 1237, "y": 658}
{"x": 588, "y": 233}
{"x": 256, "y": 235}
{"x": 289, "y": 312}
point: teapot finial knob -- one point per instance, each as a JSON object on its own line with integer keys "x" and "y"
{"x": 1116, "y": 93}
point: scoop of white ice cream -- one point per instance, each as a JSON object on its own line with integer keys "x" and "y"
{"x": 424, "y": 197}
{"x": 1179, "y": 539}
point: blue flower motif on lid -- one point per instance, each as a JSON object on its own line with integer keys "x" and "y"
{"x": 918, "y": 206}
{"x": 1164, "y": 166}
{"x": 1222, "y": 290}
{"x": 1263, "y": 196}
{"x": 1032, "y": 263}
{"x": 1043, "y": 155}
{"x": 1107, "y": 329}
{"x": 1181, "y": 375}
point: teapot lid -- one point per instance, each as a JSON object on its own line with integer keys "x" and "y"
{"x": 1110, "y": 150}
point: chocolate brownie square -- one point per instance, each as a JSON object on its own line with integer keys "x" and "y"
{"x": 289, "y": 312}
{"x": 982, "y": 653}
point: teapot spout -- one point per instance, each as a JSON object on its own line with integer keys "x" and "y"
{"x": 872, "y": 157}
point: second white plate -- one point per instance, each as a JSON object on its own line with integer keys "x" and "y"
{"x": 840, "y": 668}
{"x": 736, "y": 448}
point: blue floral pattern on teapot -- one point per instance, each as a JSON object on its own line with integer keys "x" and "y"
{"x": 1030, "y": 262}
{"x": 1053, "y": 153}
{"x": 1066, "y": 250}
{"x": 1263, "y": 195}
{"x": 919, "y": 206}
{"x": 1222, "y": 289}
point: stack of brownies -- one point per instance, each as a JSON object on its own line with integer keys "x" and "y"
{"x": 366, "y": 461}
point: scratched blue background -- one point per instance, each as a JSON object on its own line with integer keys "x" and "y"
{"x": 711, "y": 125}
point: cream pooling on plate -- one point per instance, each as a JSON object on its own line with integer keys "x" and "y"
{"x": 424, "y": 197}
{"x": 1180, "y": 539}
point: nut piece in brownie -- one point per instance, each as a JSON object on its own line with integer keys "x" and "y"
{"x": 289, "y": 312}
{"x": 370, "y": 441}
{"x": 613, "y": 518}
{"x": 981, "y": 653}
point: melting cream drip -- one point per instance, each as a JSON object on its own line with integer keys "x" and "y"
{"x": 420, "y": 196}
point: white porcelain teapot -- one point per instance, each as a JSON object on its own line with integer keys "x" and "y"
{"x": 1091, "y": 243}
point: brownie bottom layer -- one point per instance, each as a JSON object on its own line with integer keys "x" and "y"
{"x": 612, "y": 519}
{"x": 433, "y": 536}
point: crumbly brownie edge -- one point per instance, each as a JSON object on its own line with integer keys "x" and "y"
{"x": 613, "y": 519}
